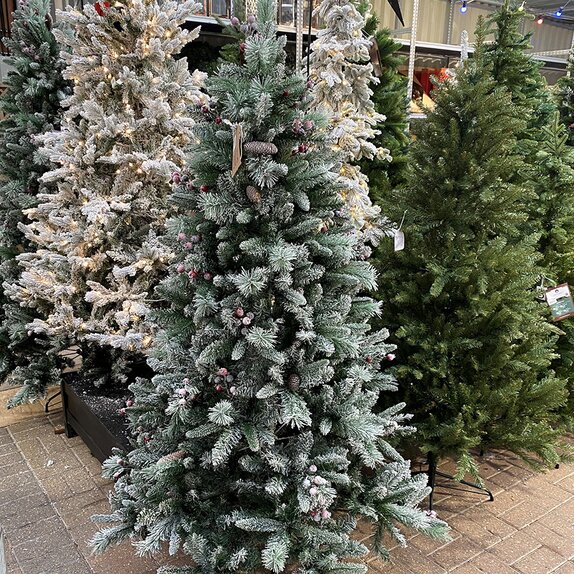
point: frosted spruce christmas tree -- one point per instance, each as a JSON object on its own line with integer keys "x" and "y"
{"x": 341, "y": 68}
{"x": 118, "y": 151}
{"x": 257, "y": 443}
{"x": 31, "y": 104}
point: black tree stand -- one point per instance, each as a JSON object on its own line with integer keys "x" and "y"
{"x": 96, "y": 431}
{"x": 432, "y": 472}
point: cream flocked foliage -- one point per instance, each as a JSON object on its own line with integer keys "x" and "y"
{"x": 342, "y": 71}
{"x": 115, "y": 157}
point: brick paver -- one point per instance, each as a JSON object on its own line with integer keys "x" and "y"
{"x": 50, "y": 486}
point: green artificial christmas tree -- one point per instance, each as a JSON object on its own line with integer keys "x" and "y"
{"x": 555, "y": 210}
{"x": 31, "y": 104}
{"x": 475, "y": 348}
{"x": 390, "y": 99}
{"x": 116, "y": 155}
{"x": 515, "y": 69}
{"x": 257, "y": 446}
{"x": 565, "y": 98}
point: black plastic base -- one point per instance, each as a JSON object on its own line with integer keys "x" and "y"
{"x": 81, "y": 420}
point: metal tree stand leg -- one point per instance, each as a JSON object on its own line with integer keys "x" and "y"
{"x": 433, "y": 473}
{"x": 54, "y": 396}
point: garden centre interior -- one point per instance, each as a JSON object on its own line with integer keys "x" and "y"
{"x": 286, "y": 287}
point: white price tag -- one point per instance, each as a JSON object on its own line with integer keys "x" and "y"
{"x": 399, "y": 240}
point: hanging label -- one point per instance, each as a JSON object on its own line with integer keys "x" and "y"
{"x": 237, "y": 148}
{"x": 560, "y": 301}
{"x": 399, "y": 240}
{"x": 375, "y": 58}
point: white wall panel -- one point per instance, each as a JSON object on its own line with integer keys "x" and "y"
{"x": 386, "y": 15}
{"x": 546, "y": 37}
{"x": 467, "y": 21}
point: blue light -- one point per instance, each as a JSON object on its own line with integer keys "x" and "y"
{"x": 558, "y": 12}
{"x": 464, "y": 7}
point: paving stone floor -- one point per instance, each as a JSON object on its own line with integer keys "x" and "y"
{"x": 50, "y": 486}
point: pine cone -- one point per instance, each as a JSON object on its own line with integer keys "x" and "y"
{"x": 260, "y": 148}
{"x": 253, "y": 195}
{"x": 294, "y": 382}
{"x": 171, "y": 456}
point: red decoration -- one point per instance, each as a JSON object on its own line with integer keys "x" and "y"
{"x": 303, "y": 148}
{"x": 193, "y": 274}
{"x": 203, "y": 188}
{"x": 218, "y": 120}
{"x": 285, "y": 94}
{"x": 369, "y": 359}
{"x": 219, "y": 388}
{"x": 99, "y": 8}
{"x": 242, "y": 47}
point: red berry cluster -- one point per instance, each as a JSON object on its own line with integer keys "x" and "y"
{"x": 101, "y": 8}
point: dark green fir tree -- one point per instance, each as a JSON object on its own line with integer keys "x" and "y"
{"x": 547, "y": 169}
{"x": 516, "y": 69}
{"x": 565, "y": 98}
{"x": 390, "y": 99}
{"x": 475, "y": 347}
{"x": 31, "y": 104}
{"x": 555, "y": 210}
{"x": 257, "y": 444}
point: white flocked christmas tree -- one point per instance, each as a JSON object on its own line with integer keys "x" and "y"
{"x": 342, "y": 72}
{"x": 115, "y": 159}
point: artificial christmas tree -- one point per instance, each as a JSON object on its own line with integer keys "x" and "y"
{"x": 515, "y": 69}
{"x": 565, "y": 98}
{"x": 119, "y": 148}
{"x": 390, "y": 100}
{"x": 257, "y": 444}
{"x": 475, "y": 348}
{"x": 554, "y": 183}
{"x": 342, "y": 72}
{"x": 31, "y": 104}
